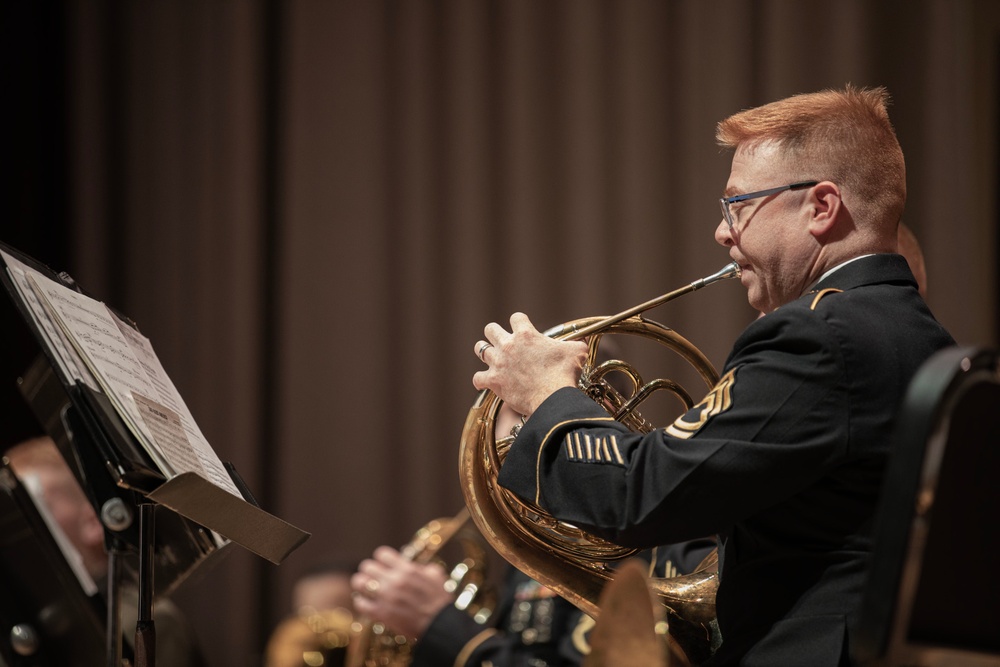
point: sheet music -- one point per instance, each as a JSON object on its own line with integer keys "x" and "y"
{"x": 95, "y": 336}
{"x": 87, "y": 344}
{"x": 140, "y": 390}
{"x": 211, "y": 466}
{"x": 68, "y": 361}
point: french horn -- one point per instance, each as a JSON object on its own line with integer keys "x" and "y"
{"x": 559, "y": 555}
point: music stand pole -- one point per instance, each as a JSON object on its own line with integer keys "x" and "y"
{"x": 145, "y": 631}
{"x": 114, "y": 619}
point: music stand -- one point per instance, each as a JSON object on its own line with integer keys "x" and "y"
{"x": 195, "y": 518}
{"x": 933, "y": 595}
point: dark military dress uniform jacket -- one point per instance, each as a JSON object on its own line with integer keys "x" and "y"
{"x": 782, "y": 460}
{"x": 532, "y": 626}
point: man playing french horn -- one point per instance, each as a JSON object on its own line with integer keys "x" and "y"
{"x": 784, "y": 458}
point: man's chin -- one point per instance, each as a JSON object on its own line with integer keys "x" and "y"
{"x": 756, "y": 299}
{"x": 749, "y": 282}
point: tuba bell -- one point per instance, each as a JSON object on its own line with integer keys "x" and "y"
{"x": 559, "y": 555}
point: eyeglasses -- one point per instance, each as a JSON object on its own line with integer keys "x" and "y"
{"x": 724, "y": 202}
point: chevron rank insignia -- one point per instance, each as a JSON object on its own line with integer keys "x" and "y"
{"x": 716, "y": 402}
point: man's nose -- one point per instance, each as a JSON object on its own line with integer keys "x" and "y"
{"x": 724, "y": 235}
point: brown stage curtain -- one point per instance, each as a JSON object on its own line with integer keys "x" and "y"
{"x": 313, "y": 208}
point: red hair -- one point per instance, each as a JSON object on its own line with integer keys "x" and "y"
{"x": 842, "y": 136}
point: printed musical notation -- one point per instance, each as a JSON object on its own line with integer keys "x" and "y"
{"x": 95, "y": 347}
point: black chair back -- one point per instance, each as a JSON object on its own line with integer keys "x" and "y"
{"x": 933, "y": 595}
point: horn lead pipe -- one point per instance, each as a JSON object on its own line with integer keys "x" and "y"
{"x": 731, "y": 270}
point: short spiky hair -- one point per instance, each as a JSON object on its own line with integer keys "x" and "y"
{"x": 839, "y": 135}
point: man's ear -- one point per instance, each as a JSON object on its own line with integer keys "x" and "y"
{"x": 826, "y": 206}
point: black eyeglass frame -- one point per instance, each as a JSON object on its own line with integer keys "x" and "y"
{"x": 724, "y": 202}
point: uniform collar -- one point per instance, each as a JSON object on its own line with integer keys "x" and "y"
{"x": 836, "y": 268}
{"x": 866, "y": 270}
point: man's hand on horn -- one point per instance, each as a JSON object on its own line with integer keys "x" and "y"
{"x": 524, "y": 366}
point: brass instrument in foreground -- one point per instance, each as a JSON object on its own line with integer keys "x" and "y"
{"x": 627, "y": 633}
{"x": 568, "y": 560}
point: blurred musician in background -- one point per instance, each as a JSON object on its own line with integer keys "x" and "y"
{"x": 532, "y": 626}
{"x": 324, "y": 587}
